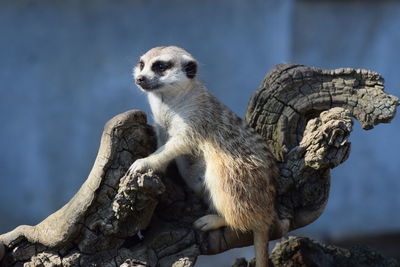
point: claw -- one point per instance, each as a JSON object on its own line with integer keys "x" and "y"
{"x": 140, "y": 166}
{"x": 209, "y": 222}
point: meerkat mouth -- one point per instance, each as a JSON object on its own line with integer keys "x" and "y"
{"x": 150, "y": 86}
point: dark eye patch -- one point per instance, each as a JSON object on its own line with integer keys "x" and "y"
{"x": 161, "y": 66}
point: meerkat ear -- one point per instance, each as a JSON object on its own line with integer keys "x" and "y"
{"x": 190, "y": 68}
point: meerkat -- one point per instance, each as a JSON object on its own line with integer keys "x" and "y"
{"x": 217, "y": 153}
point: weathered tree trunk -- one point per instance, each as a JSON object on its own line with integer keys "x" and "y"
{"x": 303, "y": 113}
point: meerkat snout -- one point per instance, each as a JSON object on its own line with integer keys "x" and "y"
{"x": 140, "y": 80}
{"x": 145, "y": 83}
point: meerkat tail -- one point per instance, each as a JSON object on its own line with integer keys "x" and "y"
{"x": 261, "y": 248}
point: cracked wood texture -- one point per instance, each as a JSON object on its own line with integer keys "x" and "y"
{"x": 305, "y": 115}
{"x": 302, "y": 251}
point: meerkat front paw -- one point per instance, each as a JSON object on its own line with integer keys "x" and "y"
{"x": 141, "y": 166}
{"x": 209, "y": 222}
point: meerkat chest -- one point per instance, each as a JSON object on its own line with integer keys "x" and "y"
{"x": 166, "y": 116}
{"x": 160, "y": 111}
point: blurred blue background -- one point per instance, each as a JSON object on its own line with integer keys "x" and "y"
{"x": 65, "y": 69}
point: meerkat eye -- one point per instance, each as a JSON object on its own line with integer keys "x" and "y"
{"x": 141, "y": 65}
{"x": 161, "y": 66}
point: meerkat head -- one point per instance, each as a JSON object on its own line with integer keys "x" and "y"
{"x": 165, "y": 68}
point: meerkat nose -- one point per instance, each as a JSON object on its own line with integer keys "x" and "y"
{"x": 141, "y": 79}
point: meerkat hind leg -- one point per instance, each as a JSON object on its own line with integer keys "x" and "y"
{"x": 209, "y": 222}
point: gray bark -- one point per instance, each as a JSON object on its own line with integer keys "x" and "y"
{"x": 302, "y": 251}
{"x": 304, "y": 114}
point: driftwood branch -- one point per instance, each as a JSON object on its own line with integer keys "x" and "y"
{"x": 304, "y": 114}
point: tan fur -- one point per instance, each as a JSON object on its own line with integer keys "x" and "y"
{"x": 239, "y": 188}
